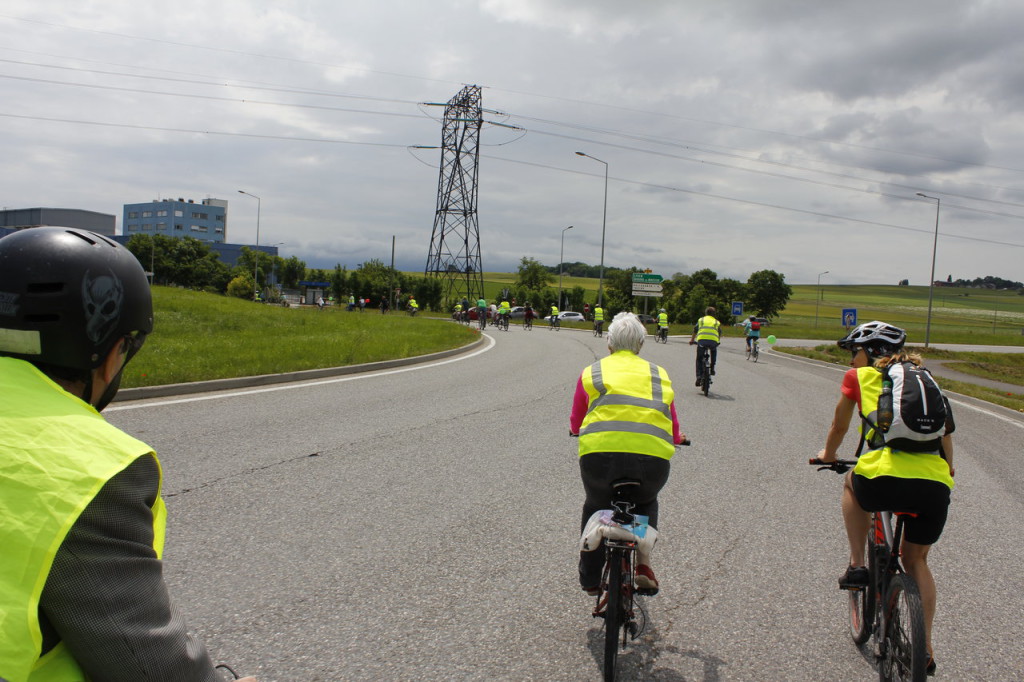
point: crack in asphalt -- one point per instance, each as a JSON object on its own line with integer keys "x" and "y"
{"x": 251, "y": 470}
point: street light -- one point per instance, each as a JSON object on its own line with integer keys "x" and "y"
{"x": 561, "y": 258}
{"x": 604, "y": 222}
{"x": 256, "y": 267}
{"x": 817, "y": 298}
{"x": 931, "y": 282}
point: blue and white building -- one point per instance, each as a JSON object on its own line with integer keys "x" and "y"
{"x": 206, "y": 221}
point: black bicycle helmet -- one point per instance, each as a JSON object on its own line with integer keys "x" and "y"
{"x": 877, "y": 338}
{"x": 67, "y": 296}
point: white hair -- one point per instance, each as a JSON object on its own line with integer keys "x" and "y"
{"x": 626, "y": 332}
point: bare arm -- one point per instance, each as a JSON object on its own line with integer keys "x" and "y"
{"x": 840, "y": 424}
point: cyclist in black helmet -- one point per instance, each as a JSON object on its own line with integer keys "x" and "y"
{"x": 81, "y": 519}
{"x": 886, "y": 478}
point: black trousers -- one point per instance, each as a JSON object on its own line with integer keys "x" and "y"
{"x": 598, "y": 471}
{"x": 712, "y": 346}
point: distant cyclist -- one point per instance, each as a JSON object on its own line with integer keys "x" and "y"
{"x": 707, "y": 334}
{"x": 753, "y": 328}
{"x": 598, "y": 319}
{"x": 554, "y": 315}
{"x": 481, "y": 312}
{"x": 504, "y": 310}
{"x": 624, "y": 412}
{"x": 888, "y": 479}
{"x": 662, "y": 321}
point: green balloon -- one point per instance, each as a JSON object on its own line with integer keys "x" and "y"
{"x": 772, "y": 339}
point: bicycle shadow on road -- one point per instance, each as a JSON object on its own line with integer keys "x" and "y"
{"x": 712, "y": 395}
{"x": 639, "y": 661}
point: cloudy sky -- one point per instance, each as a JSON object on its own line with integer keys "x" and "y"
{"x": 739, "y": 134}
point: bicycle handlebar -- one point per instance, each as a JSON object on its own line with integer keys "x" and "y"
{"x": 840, "y": 466}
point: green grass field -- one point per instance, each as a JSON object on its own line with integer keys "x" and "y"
{"x": 199, "y": 336}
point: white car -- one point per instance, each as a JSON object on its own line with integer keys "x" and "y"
{"x": 568, "y": 316}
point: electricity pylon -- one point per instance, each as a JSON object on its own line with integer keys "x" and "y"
{"x": 454, "y": 255}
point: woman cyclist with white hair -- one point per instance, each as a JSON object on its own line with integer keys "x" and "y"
{"x": 624, "y": 413}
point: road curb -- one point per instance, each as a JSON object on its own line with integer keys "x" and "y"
{"x": 145, "y": 392}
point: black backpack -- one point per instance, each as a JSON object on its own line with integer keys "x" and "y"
{"x": 920, "y": 411}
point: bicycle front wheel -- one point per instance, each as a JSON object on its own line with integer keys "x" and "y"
{"x": 904, "y": 653}
{"x": 613, "y": 614}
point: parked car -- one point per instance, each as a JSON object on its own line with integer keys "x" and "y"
{"x": 519, "y": 312}
{"x": 568, "y": 316}
{"x": 647, "y": 319}
{"x": 473, "y": 313}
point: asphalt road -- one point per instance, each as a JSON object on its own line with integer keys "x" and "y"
{"x": 421, "y": 524}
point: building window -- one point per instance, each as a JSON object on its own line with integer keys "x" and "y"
{"x": 147, "y": 226}
{"x": 219, "y": 218}
{"x": 178, "y": 213}
{"x": 133, "y": 214}
{"x": 133, "y": 228}
{"x": 178, "y": 227}
{"x": 199, "y": 216}
{"x": 161, "y": 214}
{"x": 219, "y": 230}
{"x": 161, "y": 226}
{"x": 147, "y": 214}
{"x": 199, "y": 228}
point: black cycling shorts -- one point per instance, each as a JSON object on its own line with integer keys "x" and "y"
{"x": 928, "y": 499}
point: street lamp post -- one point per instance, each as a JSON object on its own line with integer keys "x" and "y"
{"x": 931, "y": 282}
{"x": 604, "y": 222}
{"x": 818, "y": 298}
{"x": 256, "y": 267}
{"x": 561, "y": 258}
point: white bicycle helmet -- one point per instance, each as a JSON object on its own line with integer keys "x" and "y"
{"x": 877, "y": 338}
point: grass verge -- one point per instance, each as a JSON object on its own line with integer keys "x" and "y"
{"x": 199, "y": 336}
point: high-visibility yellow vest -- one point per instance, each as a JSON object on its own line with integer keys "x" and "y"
{"x": 598, "y": 314}
{"x": 554, "y": 310}
{"x": 708, "y": 329}
{"x": 630, "y": 407}
{"x": 886, "y": 461}
{"x": 504, "y": 307}
{"x": 663, "y": 319}
{"x": 57, "y": 453}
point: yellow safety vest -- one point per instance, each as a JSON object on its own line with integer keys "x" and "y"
{"x": 708, "y": 329}
{"x": 663, "y": 319}
{"x": 554, "y": 310}
{"x": 598, "y": 314}
{"x": 504, "y": 307}
{"x": 886, "y": 461}
{"x": 56, "y": 453}
{"x": 630, "y": 407}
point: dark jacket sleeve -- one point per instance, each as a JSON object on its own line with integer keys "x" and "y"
{"x": 105, "y": 596}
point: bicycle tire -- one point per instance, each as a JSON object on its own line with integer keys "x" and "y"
{"x": 705, "y": 380}
{"x": 613, "y": 613}
{"x": 755, "y": 353}
{"x": 903, "y": 648}
{"x": 862, "y": 602}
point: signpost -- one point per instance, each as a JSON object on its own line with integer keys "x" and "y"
{"x": 645, "y": 284}
{"x": 737, "y": 308}
{"x": 849, "y": 317}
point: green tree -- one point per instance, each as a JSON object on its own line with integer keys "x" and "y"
{"x": 290, "y": 271}
{"x": 767, "y": 293}
{"x": 241, "y": 287}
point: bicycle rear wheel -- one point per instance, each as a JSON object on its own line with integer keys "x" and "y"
{"x": 904, "y": 653}
{"x": 705, "y": 380}
{"x": 613, "y": 614}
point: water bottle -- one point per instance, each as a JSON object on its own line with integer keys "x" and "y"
{"x": 884, "y": 413}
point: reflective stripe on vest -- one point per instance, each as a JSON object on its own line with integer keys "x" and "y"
{"x": 886, "y": 461}
{"x": 598, "y": 314}
{"x": 58, "y": 452}
{"x": 707, "y": 329}
{"x": 630, "y": 407}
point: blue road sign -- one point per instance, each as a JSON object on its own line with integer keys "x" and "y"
{"x": 737, "y": 307}
{"x": 849, "y": 317}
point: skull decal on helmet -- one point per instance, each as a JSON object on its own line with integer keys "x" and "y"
{"x": 101, "y": 298}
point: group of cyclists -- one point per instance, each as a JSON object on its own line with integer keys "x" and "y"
{"x": 625, "y": 416}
